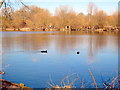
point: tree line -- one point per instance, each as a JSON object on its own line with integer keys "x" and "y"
{"x": 65, "y": 17}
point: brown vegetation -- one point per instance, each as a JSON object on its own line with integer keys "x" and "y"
{"x": 65, "y": 19}
{"x": 9, "y": 85}
{"x": 112, "y": 83}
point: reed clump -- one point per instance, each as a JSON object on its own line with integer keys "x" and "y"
{"x": 66, "y": 82}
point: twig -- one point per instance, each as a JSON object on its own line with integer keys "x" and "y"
{"x": 93, "y": 78}
{"x": 50, "y": 84}
{"x": 112, "y": 83}
{"x": 24, "y": 4}
{"x": 74, "y": 81}
{"x": 82, "y": 82}
{"x": 1, "y": 3}
{"x": 51, "y": 80}
{"x": 67, "y": 78}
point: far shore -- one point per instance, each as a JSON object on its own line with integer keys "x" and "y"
{"x": 105, "y": 29}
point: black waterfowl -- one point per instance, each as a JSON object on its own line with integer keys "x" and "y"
{"x": 44, "y": 51}
{"x": 78, "y": 52}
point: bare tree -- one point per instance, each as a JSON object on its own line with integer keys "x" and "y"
{"x": 1, "y": 3}
{"x": 101, "y": 18}
{"x": 66, "y": 15}
{"x": 81, "y": 20}
{"x": 113, "y": 19}
{"x": 40, "y": 17}
{"x": 92, "y": 9}
{"x": 7, "y": 18}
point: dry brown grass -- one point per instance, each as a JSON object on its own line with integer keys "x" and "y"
{"x": 67, "y": 83}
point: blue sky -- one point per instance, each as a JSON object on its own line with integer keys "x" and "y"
{"x": 108, "y": 6}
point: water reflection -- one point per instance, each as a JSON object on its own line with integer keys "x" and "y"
{"x": 61, "y": 42}
{"x": 23, "y": 61}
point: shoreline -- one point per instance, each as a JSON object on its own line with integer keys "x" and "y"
{"x": 63, "y": 30}
{"x": 66, "y": 29}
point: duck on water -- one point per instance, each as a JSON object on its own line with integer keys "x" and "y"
{"x": 43, "y": 51}
{"x": 78, "y": 52}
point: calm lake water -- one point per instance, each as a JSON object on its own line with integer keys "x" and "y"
{"x": 24, "y": 63}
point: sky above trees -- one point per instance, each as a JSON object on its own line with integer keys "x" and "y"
{"x": 109, "y": 6}
{"x": 73, "y": 0}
